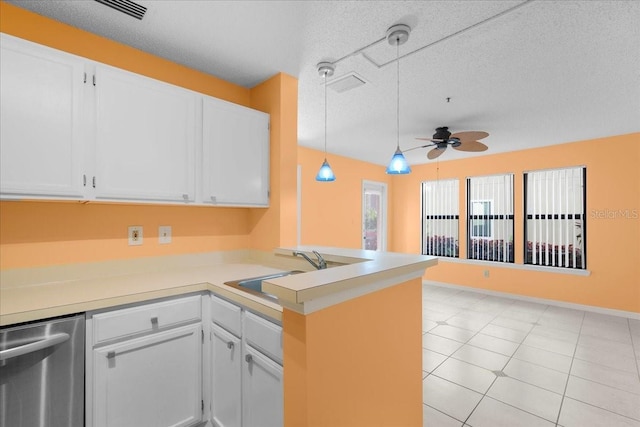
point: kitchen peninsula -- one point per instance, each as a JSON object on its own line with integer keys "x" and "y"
{"x": 351, "y": 332}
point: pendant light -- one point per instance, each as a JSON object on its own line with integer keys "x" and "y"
{"x": 397, "y": 35}
{"x": 325, "y": 174}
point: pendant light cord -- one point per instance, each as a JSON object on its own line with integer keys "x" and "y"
{"x": 398, "y": 92}
{"x": 325, "y": 115}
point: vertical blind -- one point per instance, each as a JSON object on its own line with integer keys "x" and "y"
{"x": 555, "y": 227}
{"x": 440, "y": 217}
{"x": 490, "y": 218}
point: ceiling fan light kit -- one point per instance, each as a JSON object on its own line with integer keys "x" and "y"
{"x": 397, "y": 35}
{"x": 325, "y": 174}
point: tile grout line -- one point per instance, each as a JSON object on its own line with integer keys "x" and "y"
{"x": 633, "y": 348}
{"x": 575, "y": 350}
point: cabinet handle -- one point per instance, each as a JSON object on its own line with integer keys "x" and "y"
{"x": 185, "y": 197}
{"x": 154, "y": 321}
{"x": 248, "y": 358}
{"x": 213, "y": 199}
{"x": 111, "y": 355}
{"x": 94, "y": 182}
{"x": 230, "y": 345}
{"x": 84, "y": 180}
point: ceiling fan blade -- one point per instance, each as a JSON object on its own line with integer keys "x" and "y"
{"x": 435, "y": 153}
{"x": 472, "y": 146}
{"x": 470, "y": 136}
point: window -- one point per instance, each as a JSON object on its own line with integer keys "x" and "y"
{"x": 440, "y": 217}
{"x": 490, "y": 218}
{"x": 555, "y": 227}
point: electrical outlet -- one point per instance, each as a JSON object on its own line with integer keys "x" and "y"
{"x": 164, "y": 234}
{"x": 486, "y": 273}
{"x": 135, "y": 235}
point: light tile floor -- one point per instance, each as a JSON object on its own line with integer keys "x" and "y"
{"x": 493, "y": 361}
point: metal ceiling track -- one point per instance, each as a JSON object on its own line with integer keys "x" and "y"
{"x": 127, "y": 7}
{"x": 457, "y": 33}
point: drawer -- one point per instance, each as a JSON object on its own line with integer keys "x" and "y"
{"x": 227, "y": 315}
{"x": 263, "y": 335}
{"x": 145, "y": 318}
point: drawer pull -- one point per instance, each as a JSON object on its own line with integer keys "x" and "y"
{"x": 154, "y": 321}
{"x": 111, "y": 355}
{"x": 230, "y": 345}
{"x": 248, "y": 358}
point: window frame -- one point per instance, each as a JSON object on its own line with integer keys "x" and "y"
{"x": 424, "y": 218}
{"x": 556, "y": 216}
{"x": 510, "y": 258}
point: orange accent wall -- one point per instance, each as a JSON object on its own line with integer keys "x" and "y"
{"x": 277, "y": 225}
{"x": 332, "y": 211}
{"x": 49, "y": 233}
{"x": 356, "y": 364}
{"x": 613, "y": 241}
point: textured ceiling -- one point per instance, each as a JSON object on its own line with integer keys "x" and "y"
{"x": 546, "y": 72}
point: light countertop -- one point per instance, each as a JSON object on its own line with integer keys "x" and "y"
{"x": 38, "y": 293}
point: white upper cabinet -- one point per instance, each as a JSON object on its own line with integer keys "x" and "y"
{"x": 145, "y": 138}
{"x": 75, "y": 129}
{"x": 235, "y": 158}
{"x": 41, "y": 142}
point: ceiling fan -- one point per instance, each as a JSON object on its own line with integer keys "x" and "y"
{"x": 461, "y": 141}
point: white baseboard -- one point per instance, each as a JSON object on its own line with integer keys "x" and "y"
{"x": 591, "y": 308}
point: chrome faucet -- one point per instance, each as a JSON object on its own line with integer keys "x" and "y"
{"x": 321, "y": 265}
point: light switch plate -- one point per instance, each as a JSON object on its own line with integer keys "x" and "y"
{"x": 135, "y": 235}
{"x": 164, "y": 234}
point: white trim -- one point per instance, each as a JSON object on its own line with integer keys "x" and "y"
{"x": 299, "y": 202}
{"x": 528, "y": 267}
{"x": 575, "y": 306}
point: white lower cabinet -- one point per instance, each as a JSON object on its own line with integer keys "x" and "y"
{"x": 146, "y": 364}
{"x": 246, "y": 380}
{"x": 226, "y": 362}
{"x": 262, "y": 393}
{"x": 153, "y": 379}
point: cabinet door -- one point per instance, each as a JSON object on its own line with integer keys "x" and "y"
{"x": 235, "y": 154}
{"x": 226, "y": 353}
{"x": 145, "y": 138}
{"x": 40, "y": 136}
{"x": 262, "y": 390}
{"x": 152, "y": 381}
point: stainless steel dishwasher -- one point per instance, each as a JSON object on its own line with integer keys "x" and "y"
{"x": 42, "y": 373}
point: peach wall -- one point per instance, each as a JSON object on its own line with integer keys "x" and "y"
{"x": 52, "y": 233}
{"x": 356, "y": 364}
{"x": 49, "y": 233}
{"x": 332, "y": 211}
{"x": 613, "y": 244}
{"x": 277, "y": 225}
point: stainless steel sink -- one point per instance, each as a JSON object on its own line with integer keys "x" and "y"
{"x": 253, "y": 285}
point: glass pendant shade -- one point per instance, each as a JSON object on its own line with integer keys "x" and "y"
{"x": 398, "y": 164}
{"x": 325, "y": 173}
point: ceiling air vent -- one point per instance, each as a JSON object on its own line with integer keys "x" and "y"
{"x": 347, "y": 82}
{"x": 127, "y": 7}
